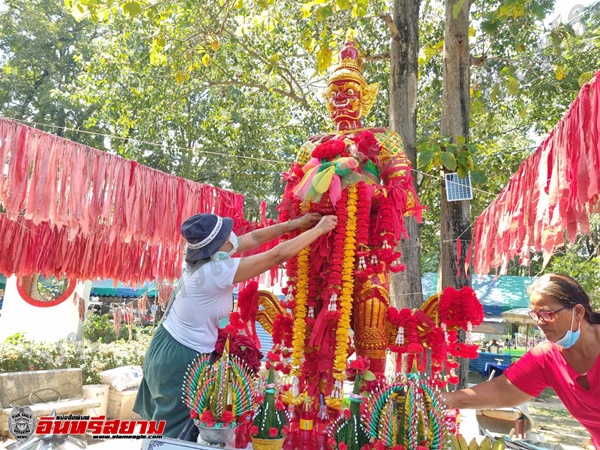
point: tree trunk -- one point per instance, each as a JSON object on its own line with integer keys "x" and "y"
{"x": 455, "y": 216}
{"x": 405, "y": 287}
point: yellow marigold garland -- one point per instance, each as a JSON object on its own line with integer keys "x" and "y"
{"x": 289, "y": 399}
{"x": 341, "y": 348}
{"x": 300, "y": 311}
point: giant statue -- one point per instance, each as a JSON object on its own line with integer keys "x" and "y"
{"x": 338, "y": 289}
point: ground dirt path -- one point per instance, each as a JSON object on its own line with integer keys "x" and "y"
{"x": 556, "y": 424}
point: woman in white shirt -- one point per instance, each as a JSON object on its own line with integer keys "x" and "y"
{"x": 205, "y": 297}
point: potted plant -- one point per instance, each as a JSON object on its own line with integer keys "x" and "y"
{"x": 218, "y": 394}
{"x": 270, "y": 420}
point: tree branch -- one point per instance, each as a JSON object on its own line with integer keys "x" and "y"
{"x": 260, "y": 87}
{"x": 35, "y": 87}
{"x": 291, "y": 81}
{"x": 391, "y": 25}
{"x": 374, "y": 58}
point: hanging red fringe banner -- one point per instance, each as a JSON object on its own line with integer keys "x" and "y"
{"x": 74, "y": 210}
{"x": 552, "y": 192}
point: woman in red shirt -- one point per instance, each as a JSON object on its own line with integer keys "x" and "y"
{"x": 567, "y": 362}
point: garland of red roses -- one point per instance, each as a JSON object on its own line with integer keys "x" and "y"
{"x": 408, "y": 341}
{"x": 291, "y": 265}
{"x": 334, "y": 279}
{"x": 330, "y": 149}
{"x": 383, "y": 238}
{"x": 439, "y": 354}
{"x": 456, "y": 309}
{"x": 461, "y": 308}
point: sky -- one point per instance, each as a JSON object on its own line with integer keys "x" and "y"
{"x": 564, "y": 7}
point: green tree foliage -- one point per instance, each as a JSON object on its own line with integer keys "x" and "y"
{"x": 226, "y": 90}
{"x": 41, "y": 44}
{"x": 208, "y": 88}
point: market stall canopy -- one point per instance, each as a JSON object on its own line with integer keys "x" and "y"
{"x": 553, "y": 191}
{"x": 76, "y": 211}
{"x": 491, "y": 326}
{"x": 107, "y": 288}
{"x": 495, "y": 294}
{"x": 518, "y": 316}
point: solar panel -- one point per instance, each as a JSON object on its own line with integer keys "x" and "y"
{"x": 458, "y": 188}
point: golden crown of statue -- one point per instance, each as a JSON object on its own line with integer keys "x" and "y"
{"x": 349, "y": 68}
{"x": 349, "y": 65}
{"x": 349, "y": 56}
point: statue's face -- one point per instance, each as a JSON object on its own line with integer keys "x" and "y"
{"x": 344, "y": 100}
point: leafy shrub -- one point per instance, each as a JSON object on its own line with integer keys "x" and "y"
{"x": 17, "y": 353}
{"x": 99, "y": 328}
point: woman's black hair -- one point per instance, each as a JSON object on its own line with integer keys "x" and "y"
{"x": 566, "y": 291}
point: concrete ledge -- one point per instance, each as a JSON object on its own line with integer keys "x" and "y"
{"x": 40, "y": 386}
{"x": 44, "y": 391}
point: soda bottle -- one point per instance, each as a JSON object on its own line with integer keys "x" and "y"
{"x": 321, "y": 424}
{"x": 291, "y": 439}
{"x": 306, "y": 426}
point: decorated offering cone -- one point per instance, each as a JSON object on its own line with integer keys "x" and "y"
{"x": 217, "y": 395}
{"x": 268, "y": 431}
{"x": 407, "y": 413}
{"x": 348, "y": 431}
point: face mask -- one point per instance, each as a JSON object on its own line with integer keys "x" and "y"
{"x": 225, "y": 255}
{"x": 570, "y": 337}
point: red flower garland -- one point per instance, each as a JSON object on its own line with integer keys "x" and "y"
{"x": 458, "y": 308}
{"x": 329, "y": 149}
{"x": 282, "y": 330}
{"x": 400, "y": 319}
{"x": 439, "y": 352}
{"x": 368, "y": 145}
{"x": 248, "y": 301}
{"x": 241, "y": 346}
{"x": 442, "y": 342}
{"x": 334, "y": 286}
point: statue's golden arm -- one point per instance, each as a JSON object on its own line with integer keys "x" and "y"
{"x": 395, "y": 169}
{"x": 269, "y": 308}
